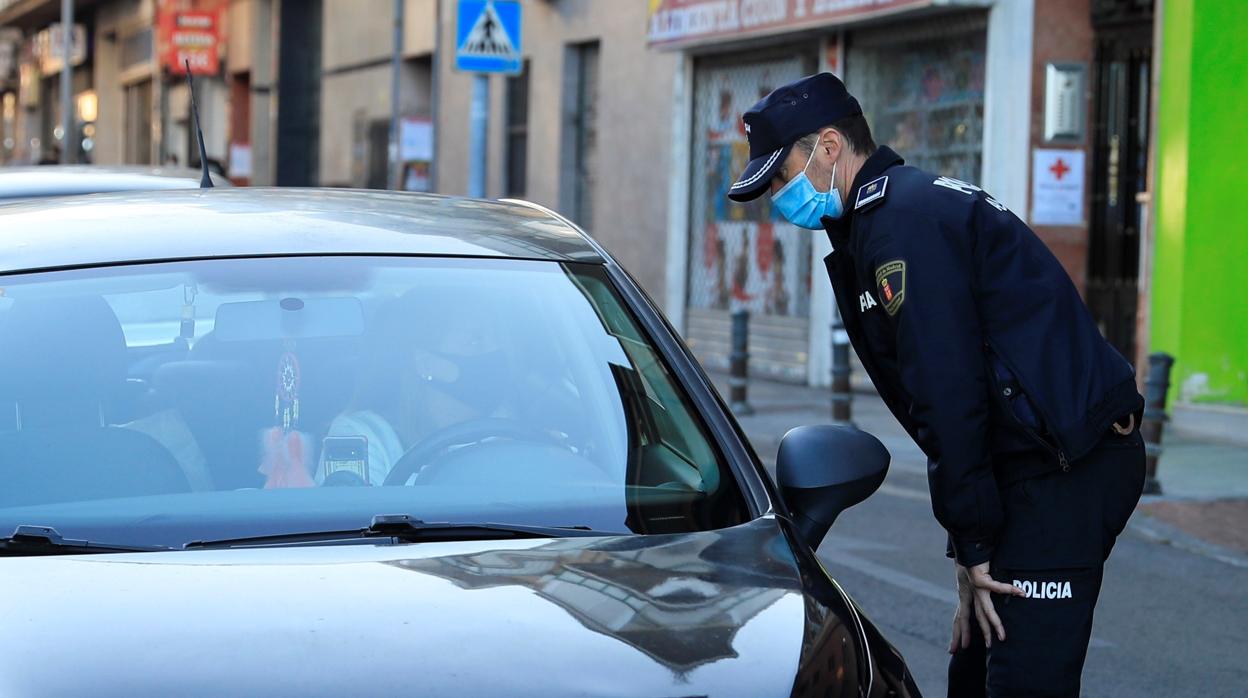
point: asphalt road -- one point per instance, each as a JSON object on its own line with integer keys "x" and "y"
{"x": 1170, "y": 622}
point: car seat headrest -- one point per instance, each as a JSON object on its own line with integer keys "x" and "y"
{"x": 61, "y": 348}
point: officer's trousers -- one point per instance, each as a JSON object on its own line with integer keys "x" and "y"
{"x": 1059, "y": 530}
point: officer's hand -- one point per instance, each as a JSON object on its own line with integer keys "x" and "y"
{"x": 966, "y": 607}
{"x": 985, "y": 586}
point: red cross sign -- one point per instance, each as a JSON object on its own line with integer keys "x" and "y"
{"x": 1059, "y": 169}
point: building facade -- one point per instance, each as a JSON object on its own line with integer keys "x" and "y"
{"x": 1200, "y": 221}
{"x": 625, "y": 117}
{"x": 130, "y": 99}
{"x": 980, "y": 91}
{"x": 586, "y": 129}
{"x": 31, "y": 58}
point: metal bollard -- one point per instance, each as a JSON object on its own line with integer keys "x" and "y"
{"x": 1156, "y": 385}
{"x": 739, "y": 363}
{"x": 842, "y": 396}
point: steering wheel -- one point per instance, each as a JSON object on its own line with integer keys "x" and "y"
{"x": 467, "y": 433}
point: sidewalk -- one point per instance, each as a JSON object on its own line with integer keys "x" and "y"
{"x": 1204, "y": 505}
{"x": 1204, "y": 487}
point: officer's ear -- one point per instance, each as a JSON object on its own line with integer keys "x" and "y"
{"x": 831, "y": 142}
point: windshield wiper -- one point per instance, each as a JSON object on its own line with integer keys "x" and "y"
{"x": 45, "y": 540}
{"x": 405, "y": 529}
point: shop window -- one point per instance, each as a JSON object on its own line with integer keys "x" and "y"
{"x": 136, "y": 49}
{"x": 517, "y": 134}
{"x": 922, "y": 90}
{"x": 743, "y": 256}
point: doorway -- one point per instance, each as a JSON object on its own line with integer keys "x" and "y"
{"x": 138, "y": 111}
{"x": 1122, "y": 74}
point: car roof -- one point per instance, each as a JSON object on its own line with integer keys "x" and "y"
{"x": 68, "y": 180}
{"x": 133, "y": 227}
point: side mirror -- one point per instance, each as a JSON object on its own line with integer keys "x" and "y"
{"x": 824, "y": 470}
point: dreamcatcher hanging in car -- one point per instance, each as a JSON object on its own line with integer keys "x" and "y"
{"x": 285, "y": 462}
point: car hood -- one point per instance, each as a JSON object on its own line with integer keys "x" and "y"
{"x": 713, "y": 613}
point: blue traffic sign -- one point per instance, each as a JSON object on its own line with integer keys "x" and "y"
{"x": 487, "y": 36}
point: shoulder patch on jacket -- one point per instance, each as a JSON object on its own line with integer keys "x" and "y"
{"x": 890, "y": 281}
{"x": 871, "y": 193}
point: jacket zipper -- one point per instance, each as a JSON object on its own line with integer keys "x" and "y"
{"x": 1062, "y": 461}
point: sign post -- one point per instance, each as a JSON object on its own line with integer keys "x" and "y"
{"x": 487, "y": 40}
{"x": 396, "y": 67}
{"x": 68, "y": 145}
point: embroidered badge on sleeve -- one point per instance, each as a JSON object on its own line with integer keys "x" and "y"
{"x": 890, "y": 281}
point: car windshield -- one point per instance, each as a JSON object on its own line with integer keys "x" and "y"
{"x": 164, "y": 403}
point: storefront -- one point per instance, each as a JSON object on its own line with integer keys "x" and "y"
{"x": 919, "y": 69}
{"x": 32, "y": 53}
{"x": 190, "y": 35}
{"x": 743, "y": 257}
{"x": 48, "y": 52}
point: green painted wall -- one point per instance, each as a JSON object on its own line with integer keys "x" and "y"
{"x": 1199, "y": 295}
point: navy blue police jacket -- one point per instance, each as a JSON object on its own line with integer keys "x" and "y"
{"x": 974, "y": 336}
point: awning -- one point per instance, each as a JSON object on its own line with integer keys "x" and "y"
{"x": 684, "y": 23}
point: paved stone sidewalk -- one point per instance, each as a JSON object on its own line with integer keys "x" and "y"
{"x": 1221, "y": 522}
{"x": 1204, "y": 505}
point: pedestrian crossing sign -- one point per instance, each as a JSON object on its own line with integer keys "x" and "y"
{"x": 487, "y": 36}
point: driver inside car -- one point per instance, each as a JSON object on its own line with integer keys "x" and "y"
{"x": 430, "y": 366}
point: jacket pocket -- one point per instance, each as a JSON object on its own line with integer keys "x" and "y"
{"x": 1010, "y": 394}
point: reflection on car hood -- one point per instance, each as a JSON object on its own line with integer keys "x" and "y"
{"x": 715, "y": 613}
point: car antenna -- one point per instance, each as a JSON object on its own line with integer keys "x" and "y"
{"x": 205, "y": 179}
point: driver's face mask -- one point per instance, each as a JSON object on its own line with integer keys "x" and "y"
{"x": 476, "y": 382}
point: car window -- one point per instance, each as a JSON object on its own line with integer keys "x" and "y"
{"x": 674, "y": 424}
{"x": 256, "y": 396}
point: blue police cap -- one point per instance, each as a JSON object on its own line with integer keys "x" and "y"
{"x": 775, "y": 123}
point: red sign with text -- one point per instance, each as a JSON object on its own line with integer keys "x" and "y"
{"x": 192, "y": 37}
{"x": 677, "y": 22}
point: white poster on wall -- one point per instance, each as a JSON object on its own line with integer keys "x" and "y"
{"x": 416, "y": 139}
{"x": 1057, "y": 187}
{"x": 240, "y": 160}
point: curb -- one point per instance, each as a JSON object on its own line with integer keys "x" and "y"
{"x": 1160, "y": 532}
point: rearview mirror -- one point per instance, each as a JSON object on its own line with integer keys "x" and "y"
{"x": 824, "y": 470}
{"x": 289, "y": 318}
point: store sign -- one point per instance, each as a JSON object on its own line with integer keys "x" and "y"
{"x": 49, "y": 47}
{"x": 192, "y": 37}
{"x": 673, "y": 22}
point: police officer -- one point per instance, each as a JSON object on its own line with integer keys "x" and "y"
{"x": 981, "y": 347}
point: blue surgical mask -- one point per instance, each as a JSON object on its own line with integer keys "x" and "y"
{"x": 802, "y": 205}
